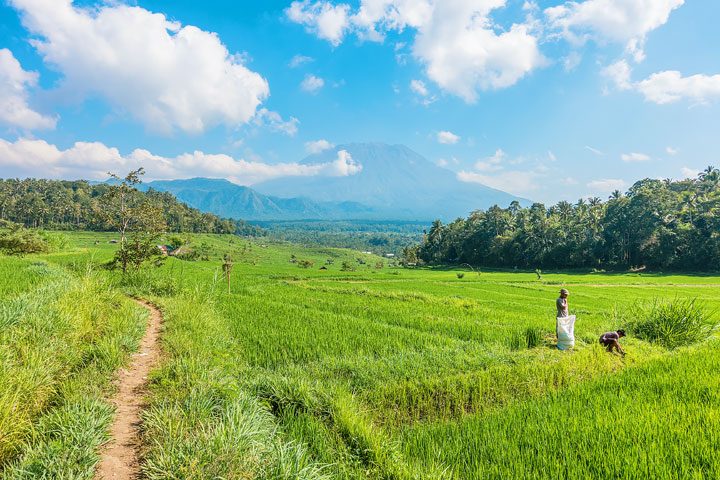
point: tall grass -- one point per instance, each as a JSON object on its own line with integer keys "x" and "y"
{"x": 671, "y": 323}
{"x": 60, "y": 345}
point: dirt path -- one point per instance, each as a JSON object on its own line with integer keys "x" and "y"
{"x": 120, "y": 455}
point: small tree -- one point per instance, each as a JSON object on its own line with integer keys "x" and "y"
{"x": 138, "y": 222}
{"x": 227, "y": 269}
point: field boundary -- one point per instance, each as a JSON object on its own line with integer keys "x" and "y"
{"x": 120, "y": 456}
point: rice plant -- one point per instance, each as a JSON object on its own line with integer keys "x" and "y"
{"x": 671, "y": 323}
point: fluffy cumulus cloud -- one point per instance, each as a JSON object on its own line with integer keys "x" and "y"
{"x": 447, "y": 138}
{"x": 621, "y": 21}
{"x": 634, "y": 157}
{"x": 666, "y": 87}
{"x": 326, "y": 20}
{"x": 312, "y": 84}
{"x": 318, "y": 146}
{"x": 671, "y": 86}
{"x": 462, "y": 50}
{"x": 92, "y": 160}
{"x": 14, "y": 84}
{"x": 166, "y": 75}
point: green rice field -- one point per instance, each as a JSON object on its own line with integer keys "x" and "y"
{"x": 358, "y": 370}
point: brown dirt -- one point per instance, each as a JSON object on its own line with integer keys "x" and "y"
{"x": 120, "y": 459}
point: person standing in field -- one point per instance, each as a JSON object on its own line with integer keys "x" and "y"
{"x": 562, "y": 304}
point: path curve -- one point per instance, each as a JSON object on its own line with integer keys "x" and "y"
{"x": 120, "y": 459}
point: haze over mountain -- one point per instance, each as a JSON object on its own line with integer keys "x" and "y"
{"x": 395, "y": 183}
{"x": 227, "y": 199}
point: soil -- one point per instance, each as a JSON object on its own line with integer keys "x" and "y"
{"x": 120, "y": 456}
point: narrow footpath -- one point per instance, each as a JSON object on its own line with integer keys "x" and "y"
{"x": 120, "y": 456}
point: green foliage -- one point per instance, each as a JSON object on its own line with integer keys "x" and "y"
{"x": 18, "y": 240}
{"x": 671, "y": 323}
{"x": 658, "y": 224}
{"x": 347, "y": 267}
{"x": 304, "y": 263}
{"x": 77, "y": 205}
{"x": 460, "y": 274}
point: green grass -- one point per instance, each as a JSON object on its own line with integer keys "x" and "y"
{"x": 409, "y": 373}
{"x": 60, "y": 343}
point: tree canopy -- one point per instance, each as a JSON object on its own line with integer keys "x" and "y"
{"x": 660, "y": 224}
{"x": 79, "y": 205}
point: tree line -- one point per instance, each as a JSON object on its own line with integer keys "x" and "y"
{"x": 660, "y": 224}
{"x": 79, "y": 205}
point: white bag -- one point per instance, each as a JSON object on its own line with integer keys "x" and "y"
{"x": 565, "y": 328}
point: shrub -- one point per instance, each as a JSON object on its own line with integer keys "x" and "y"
{"x": 305, "y": 263}
{"x": 22, "y": 241}
{"x": 671, "y": 323}
{"x": 460, "y": 274}
{"x": 347, "y": 267}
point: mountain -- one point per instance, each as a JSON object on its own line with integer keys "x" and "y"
{"x": 235, "y": 201}
{"x": 395, "y": 181}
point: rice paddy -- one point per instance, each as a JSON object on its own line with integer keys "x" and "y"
{"x": 363, "y": 373}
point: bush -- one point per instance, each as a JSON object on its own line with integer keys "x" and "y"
{"x": 671, "y": 323}
{"x": 22, "y": 241}
{"x": 460, "y": 275}
{"x": 347, "y": 267}
{"x": 305, "y": 263}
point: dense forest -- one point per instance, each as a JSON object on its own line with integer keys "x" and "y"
{"x": 78, "y": 205}
{"x": 366, "y": 235}
{"x": 660, "y": 224}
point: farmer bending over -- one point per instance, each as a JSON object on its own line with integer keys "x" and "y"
{"x": 611, "y": 340}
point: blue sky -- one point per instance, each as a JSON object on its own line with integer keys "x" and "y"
{"x": 549, "y": 100}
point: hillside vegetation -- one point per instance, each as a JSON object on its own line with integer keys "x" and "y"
{"x": 79, "y": 205}
{"x": 328, "y": 363}
{"x": 660, "y": 224}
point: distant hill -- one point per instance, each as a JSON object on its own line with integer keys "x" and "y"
{"x": 235, "y": 201}
{"x": 395, "y": 181}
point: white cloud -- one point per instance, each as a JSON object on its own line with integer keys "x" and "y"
{"x": 689, "y": 172}
{"x": 621, "y": 21}
{"x": 571, "y": 61}
{"x": 273, "y": 120}
{"x": 667, "y": 86}
{"x": 551, "y": 156}
{"x": 515, "y": 182}
{"x": 326, "y": 20}
{"x": 166, "y": 75}
{"x": 634, "y": 157}
{"x": 606, "y": 185}
{"x": 619, "y": 73}
{"x": 462, "y": 49}
{"x": 441, "y": 162}
{"x": 418, "y": 86}
{"x": 312, "y": 84}
{"x": 318, "y": 146}
{"x": 672, "y": 151}
{"x": 447, "y": 138}
{"x": 14, "y": 84}
{"x": 92, "y": 161}
{"x": 594, "y": 150}
{"x": 492, "y": 164}
{"x": 344, "y": 166}
{"x": 671, "y": 86}
{"x": 299, "y": 60}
